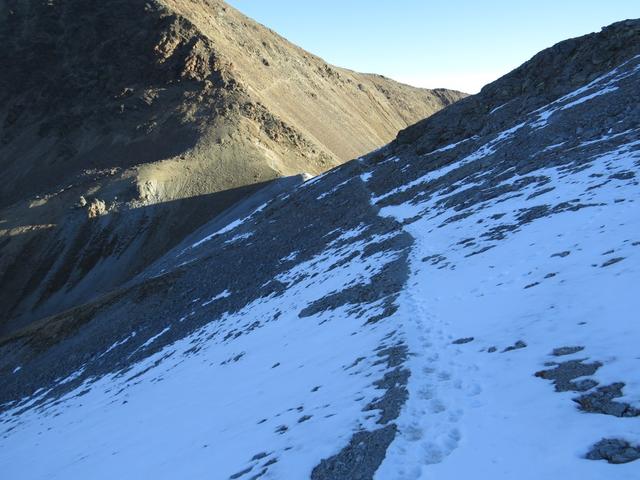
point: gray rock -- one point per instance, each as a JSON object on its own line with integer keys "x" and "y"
{"x": 558, "y": 352}
{"x": 614, "y": 450}
{"x": 461, "y": 341}
{"x": 516, "y": 346}
{"x": 241, "y": 473}
{"x": 601, "y": 401}
{"x": 612, "y": 261}
{"x": 564, "y": 373}
{"x": 360, "y": 459}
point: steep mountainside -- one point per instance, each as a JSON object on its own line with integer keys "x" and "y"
{"x": 128, "y": 123}
{"x": 459, "y": 304}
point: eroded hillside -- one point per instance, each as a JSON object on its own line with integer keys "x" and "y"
{"x": 124, "y": 125}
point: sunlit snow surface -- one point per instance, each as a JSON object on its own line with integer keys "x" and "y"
{"x": 487, "y": 410}
{"x": 204, "y": 406}
{"x": 549, "y": 259}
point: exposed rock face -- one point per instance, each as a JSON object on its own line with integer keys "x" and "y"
{"x": 96, "y": 208}
{"x": 547, "y": 76}
{"x": 168, "y": 112}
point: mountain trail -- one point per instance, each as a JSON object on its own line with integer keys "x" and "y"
{"x": 461, "y": 303}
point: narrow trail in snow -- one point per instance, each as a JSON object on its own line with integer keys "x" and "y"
{"x": 428, "y": 426}
{"x": 428, "y": 429}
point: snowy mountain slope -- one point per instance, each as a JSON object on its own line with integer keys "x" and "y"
{"x": 466, "y": 309}
{"x": 543, "y": 257}
{"x": 242, "y": 331}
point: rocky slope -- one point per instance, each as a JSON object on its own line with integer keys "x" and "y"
{"x": 458, "y": 304}
{"x": 129, "y": 123}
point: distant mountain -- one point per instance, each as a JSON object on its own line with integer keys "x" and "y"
{"x": 461, "y": 303}
{"x": 126, "y": 124}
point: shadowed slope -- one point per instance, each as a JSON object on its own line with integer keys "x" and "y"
{"x": 111, "y": 106}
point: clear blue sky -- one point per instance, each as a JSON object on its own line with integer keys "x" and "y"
{"x": 461, "y": 44}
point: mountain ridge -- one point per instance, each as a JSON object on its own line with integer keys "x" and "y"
{"x": 547, "y": 75}
{"x": 128, "y": 124}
